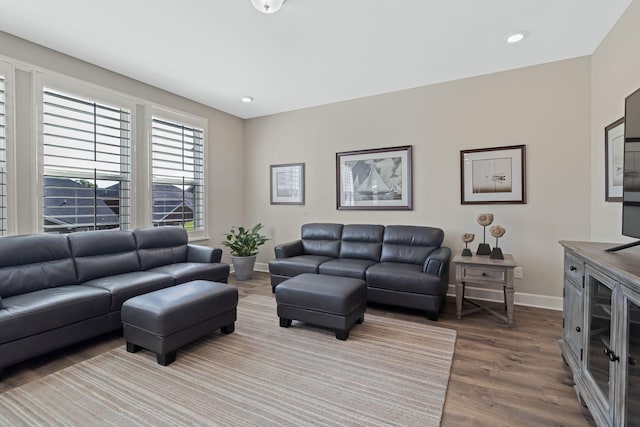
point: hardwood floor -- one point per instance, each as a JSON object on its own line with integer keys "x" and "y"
{"x": 499, "y": 377}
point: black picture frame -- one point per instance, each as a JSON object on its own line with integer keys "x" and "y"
{"x": 493, "y": 175}
{"x": 375, "y": 179}
{"x": 613, "y": 160}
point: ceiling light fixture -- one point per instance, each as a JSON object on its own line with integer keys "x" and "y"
{"x": 515, "y": 37}
{"x": 247, "y": 99}
{"x": 268, "y": 6}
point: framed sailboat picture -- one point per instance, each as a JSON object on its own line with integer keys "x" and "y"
{"x": 374, "y": 179}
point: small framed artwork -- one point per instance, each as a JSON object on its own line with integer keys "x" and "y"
{"x": 614, "y": 160}
{"x": 376, "y": 179}
{"x": 492, "y": 175}
{"x": 287, "y": 184}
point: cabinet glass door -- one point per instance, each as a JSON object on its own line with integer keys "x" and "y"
{"x": 633, "y": 372}
{"x": 599, "y": 344}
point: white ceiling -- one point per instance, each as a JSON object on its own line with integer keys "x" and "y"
{"x": 312, "y": 52}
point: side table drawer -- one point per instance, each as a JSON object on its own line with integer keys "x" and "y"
{"x": 573, "y": 268}
{"x": 481, "y": 274}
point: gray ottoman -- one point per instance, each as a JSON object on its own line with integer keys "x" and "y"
{"x": 165, "y": 320}
{"x": 330, "y": 301}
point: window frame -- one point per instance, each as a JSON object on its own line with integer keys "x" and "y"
{"x": 96, "y": 94}
{"x": 7, "y": 70}
{"x": 171, "y": 115}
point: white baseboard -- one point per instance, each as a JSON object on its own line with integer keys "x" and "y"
{"x": 261, "y": 266}
{"x": 520, "y": 298}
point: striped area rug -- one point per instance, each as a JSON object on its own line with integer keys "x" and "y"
{"x": 389, "y": 372}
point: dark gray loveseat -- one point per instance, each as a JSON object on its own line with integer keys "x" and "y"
{"x": 402, "y": 265}
{"x": 58, "y": 289}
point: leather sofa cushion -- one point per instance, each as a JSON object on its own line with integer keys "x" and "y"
{"x": 362, "y": 241}
{"x": 297, "y": 265}
{"x": 161, "y": 246}
{"x": 34, "y": 262}
{"x": 103, "y": 253}
{"x": 128, "y": 285}
{"x": 346, "y": 267}
{"x": 321, "y": 239}
{"x": 46, "y": 309}
{"x": 410, "y": 244}
{"x": 187, "y": 271}
{"x": 403, "y": 277}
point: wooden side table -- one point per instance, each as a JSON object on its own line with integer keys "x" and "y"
{"x": 482, "y": 270}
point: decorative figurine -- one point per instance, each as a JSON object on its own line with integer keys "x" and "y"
{"x": 497, "y": 232}
{"x": 467, "y": 238}
{"x": 484, "y": 220}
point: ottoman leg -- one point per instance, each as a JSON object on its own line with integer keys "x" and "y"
{"x": 285, "y": 323}
{"x": 360, "y": 321}
{"x": 166, "y": 359}
{"x": 228, "y": 328}
{"x": 342, "y": 335}
{"x": 132, "y": 348}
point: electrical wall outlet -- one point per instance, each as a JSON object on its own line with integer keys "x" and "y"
{"x": 517, "y": 272}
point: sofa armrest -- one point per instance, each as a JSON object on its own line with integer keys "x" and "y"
{"x": 438, "y": 262}
{"x": 199, "y": 253}
{"x": 289, "y": 249}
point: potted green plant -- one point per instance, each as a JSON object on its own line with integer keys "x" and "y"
{"x": 244, "y": 244}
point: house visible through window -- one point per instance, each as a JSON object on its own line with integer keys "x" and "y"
{"x": 177, "y": 174}
{"x": 86, "y": 161}
{"x": 3, "y": 157}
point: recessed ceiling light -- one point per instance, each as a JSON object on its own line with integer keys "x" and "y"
{"x": 247, "y": 99}
{"x": 515, "y": 37}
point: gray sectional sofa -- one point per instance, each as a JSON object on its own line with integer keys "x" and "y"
{"x": 58, "y": 289}
{"x": 403, "y": 265}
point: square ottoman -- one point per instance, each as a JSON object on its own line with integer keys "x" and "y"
{"x": 330, "y": 301}
{"x": 164, "y": 320}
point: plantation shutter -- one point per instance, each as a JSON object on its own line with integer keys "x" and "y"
{"x": 87, "y": 162}
{"x": 177, "y": 162}
{"x": 3, "y": 157}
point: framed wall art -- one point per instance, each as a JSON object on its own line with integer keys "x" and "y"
{"x": 374, "y": 179}
{"x": 493, "y": 175}
{"x": 287, "y": 184}
{"x": 614, "y": 160}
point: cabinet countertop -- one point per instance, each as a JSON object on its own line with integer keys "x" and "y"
{"x": 623, "y": 265}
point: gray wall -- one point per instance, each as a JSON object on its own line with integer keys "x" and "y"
{"x": 559, "y": 110}
{"x": 545, "y": 107}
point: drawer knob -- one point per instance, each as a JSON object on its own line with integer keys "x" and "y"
{"x": 484, "y": 274}
{"x": 578, "y": 329}
{"x": 572, "y": 268}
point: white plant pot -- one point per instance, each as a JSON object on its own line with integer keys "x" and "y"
{"x": 243, "y": 266}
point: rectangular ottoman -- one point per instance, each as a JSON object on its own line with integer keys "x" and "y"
{"x": 163, "y": 321}
{"x": 329, "y": 301}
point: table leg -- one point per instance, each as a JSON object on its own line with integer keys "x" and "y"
{"x": 459, "y": 298}
{"x": 508, "y": 292}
